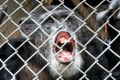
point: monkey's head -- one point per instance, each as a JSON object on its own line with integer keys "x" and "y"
{"x": 56, "y": 33}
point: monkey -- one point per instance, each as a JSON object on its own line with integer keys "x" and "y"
{"x": 114, "y": 3}
{"x": 59, "y": 45}
{"x": 114, "y": 21}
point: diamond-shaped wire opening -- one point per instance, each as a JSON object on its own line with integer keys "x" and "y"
{"x": 85, "y": 36}
{"x": 6, "y": 51}
{"x": 63, "y": 72}
{"x": 30, "y": 5}
{"x": 95, "y": 47}
{"x": 116, "y": 72}
{"x": 113, "y": 32}
{"x": 26, "y": 51}
{"x": 16, "y": 16}
{"x": 7, "y": 31}
{"x": 112, "y": 58}
{"x": 39, "y": 38}
{"x": 25, "y": 72}
{"x": 44, "y": 48}
{"x": 11, "y": 64}
{"x": 41, "y": 62}
{"x": 27, "y": 27}
{"x": 86, "y": 56}
{"x": 96, "y": 70}
{"x": 103, "y": 61}
{"x": 54, "y": 71}
{"x": 5, "y": 73}
{"x": 48, "y": 24}
{"x": 15, "y": 34}
{"x": 12, "y": 8}
{"x": 91, "y": 10}
{"x": 115, "y": 46}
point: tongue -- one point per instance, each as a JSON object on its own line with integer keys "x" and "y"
{"x": 65, "y": 56}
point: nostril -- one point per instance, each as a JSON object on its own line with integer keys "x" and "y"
{"x": 60, "y": 56}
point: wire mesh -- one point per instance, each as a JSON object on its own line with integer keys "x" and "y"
{"x": 11, "y": 28}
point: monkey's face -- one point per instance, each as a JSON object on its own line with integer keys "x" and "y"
{"x": 63, "y": 47}
{"x": 64, "y": 53}
{"x": 60, "y": 47}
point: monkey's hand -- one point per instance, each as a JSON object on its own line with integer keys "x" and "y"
{"x": 47, "y": 2}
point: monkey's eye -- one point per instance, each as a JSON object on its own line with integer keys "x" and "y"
{"x": 49, "y": 20}
{"x": 48, "y": 23}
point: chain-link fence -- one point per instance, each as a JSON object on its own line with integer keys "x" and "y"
{"x": 59, "y": 40}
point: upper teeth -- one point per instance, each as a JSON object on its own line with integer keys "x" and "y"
{"x": 63, "y": 40}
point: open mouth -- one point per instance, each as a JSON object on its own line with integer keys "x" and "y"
{"x": 67, "y": 44}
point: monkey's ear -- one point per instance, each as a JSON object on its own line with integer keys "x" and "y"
{"x": 2, "y": 15}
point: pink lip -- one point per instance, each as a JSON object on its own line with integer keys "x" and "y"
{"x": 67, "y": 54}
